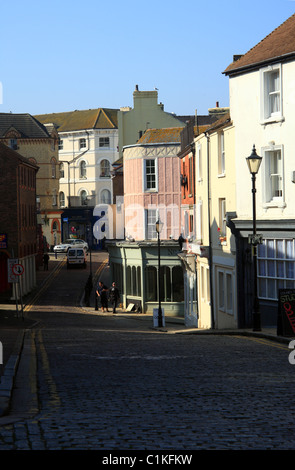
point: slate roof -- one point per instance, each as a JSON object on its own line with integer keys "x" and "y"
{"x": 280, "y": 44}
{"x": 25, "y": 124}
{"x": 161, "y": 136}
{"x": 99, "y": 118}
{"x": 224, "y": 120}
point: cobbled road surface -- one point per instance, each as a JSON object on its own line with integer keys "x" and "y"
{"x": 93, "y": 381}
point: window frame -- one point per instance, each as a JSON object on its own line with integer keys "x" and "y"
{"x": 221, "y": 154}
{"x": 62, "y": 199}
{"x": 225, "y": 289}
{"x": 82, "y": 143}
{"x": 150, "y": 221}
{"x": 199, "y": 166}
{"x": 83, "y": 170}
{"x": 270, "y": 266}
{"x": 105, "y": 168}
{"x": 148, "y": 188}
{"x": 267, "y": 115}
{"x": 270, "y": 200}
{"x": 104, "y": 142}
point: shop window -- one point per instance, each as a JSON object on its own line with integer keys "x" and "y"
{"x": 275, "y": 267}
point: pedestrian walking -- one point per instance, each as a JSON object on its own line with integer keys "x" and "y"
{"x": 114, "y": 296}
{"x": 45, "y": 261}
{"x": 101, "y": 292}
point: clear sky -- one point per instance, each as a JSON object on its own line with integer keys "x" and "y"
{"x": 64, "y": 55}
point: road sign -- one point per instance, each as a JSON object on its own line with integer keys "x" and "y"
{"x": 11, "y": 276}
{"x": 18, "y": 269}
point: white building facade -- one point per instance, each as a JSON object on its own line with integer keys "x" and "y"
{"x": 88, "y": 146}
{"x": 262, "y": 100}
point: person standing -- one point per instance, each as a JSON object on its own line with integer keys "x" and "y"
{"x": 114, "y": 296}
{"x": 45, "y": 261}
{"x": 101, "y": 292}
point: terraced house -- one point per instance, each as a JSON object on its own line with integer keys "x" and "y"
{"x": 88, "y": 145}
{"x": 262, "y": 101}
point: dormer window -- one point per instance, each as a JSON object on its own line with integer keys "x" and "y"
{"x": 13, "y": 144}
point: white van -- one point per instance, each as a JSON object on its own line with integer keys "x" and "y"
{"x": 76, "y": 257}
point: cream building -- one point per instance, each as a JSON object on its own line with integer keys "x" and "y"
{"x": 88, "y": 145}
{"x": 215, "y": 247}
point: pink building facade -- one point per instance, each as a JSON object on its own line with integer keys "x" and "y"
{"x": 152, "y": 190}
{"x": 152, "y": 185}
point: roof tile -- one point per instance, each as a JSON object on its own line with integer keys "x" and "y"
{"x": 278, "y": 44}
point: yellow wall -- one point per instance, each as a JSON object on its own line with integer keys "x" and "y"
{"x": 222, "y": 187}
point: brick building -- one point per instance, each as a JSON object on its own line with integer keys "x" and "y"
{"x": 38, "y": 143}
{"x": 18, "y": 224}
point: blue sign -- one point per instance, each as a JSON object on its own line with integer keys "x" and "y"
{"x": 3, "y": 241}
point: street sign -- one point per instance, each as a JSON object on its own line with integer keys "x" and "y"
{"x": 18, "y": 269}
{"x": 11, "y": 275}
{"x": 156, "y": 317}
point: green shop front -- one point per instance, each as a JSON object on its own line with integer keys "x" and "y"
{"x": 134, "y": 267}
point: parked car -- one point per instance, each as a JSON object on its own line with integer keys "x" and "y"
{"x": 76, "y": 257}
{"x": 78, "y": 243}
{"x": 63, "y": 247}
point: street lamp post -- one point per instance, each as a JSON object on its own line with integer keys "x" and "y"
{"x": 159, "y": 226}
{"x": 254, "y": 162}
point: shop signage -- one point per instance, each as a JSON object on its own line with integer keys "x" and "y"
{"x": 286, "y": 312}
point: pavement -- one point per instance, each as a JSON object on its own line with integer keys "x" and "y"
{"x": 14, "y": 324}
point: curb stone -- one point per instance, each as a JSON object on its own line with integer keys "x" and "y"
{"x": 7, "y": 379}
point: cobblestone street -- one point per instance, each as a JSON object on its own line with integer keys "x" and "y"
{"x": 111, "y": 382}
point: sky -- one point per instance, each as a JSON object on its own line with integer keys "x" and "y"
{"x": 64, "y": 55}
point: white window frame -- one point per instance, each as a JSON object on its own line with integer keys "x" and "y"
{"x": 267, "y": 113}
{"x": 104, "y": 142}
{"x": 145, "y": 175}
{"x": 150, "y": 224}
{"x": 105, "y": 168}
{"x": 222, "y": 216}
{"x": 83, "y": 201}
{"x": 199, "y": 164}
{"x": 105, "y": 196}
{"x": 270, "y": 199}
{"x": 83, "y": 170}
{"x": 199, "y": 221}
{"x": 82, "y": 143}
{"x": 61, "y": 170}
{"x": 275, "y": 262}
{"x": 205, "y": 283}
{"x": 225, "y": 291}
{"x": 221, "y": 154}
{"x": 61, "y": 199}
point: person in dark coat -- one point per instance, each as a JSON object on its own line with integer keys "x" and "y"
{"x": 114, "y": 296}
{"x": 45, "y": 261}
{"x": 101, "y": 292}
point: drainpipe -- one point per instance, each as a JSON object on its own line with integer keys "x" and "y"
{"x": 209, "y": 227}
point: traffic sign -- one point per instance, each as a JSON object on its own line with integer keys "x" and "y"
{"x": 18, "y": 269}
{"x": 11, "y": 276}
